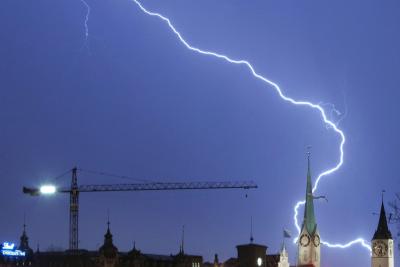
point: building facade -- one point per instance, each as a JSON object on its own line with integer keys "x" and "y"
{"x": 253, "y": 255}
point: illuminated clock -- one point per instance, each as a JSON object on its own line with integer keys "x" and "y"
{"x": 379, "y": 248}
{"x": 259, "y": 261}
{"x": 304, "y": 240}
{"x": 316, "y": 240}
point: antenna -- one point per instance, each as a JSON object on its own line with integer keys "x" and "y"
{"x": 183, "y": 240}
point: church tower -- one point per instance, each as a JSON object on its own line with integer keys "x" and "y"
{"x": 308, "y": 243}
{"x": 24, "y": 247}
{"x": 382, "y": 243}
{"x": 283, "y": 257}
{"x": 24, "y": 241}
{"x": 108, "y": 252}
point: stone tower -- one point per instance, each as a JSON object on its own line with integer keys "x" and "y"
{"x": 309, "y": 250}
{"x": 382, "y": 243}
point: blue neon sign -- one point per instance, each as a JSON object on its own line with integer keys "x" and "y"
{"x": 8, "y": 249}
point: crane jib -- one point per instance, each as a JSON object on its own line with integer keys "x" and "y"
{"x": 76, "y": 189}
{"x": 167, "y": 186}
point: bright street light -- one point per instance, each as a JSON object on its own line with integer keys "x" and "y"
{"x": 47, "y": 189}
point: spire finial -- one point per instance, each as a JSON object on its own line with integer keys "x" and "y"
{"x": 383, "y": 194}
{"x": 308, "y": 159}
{"x": 24, "y": 222}
{"x": 251, "y": 229}
{"x": 108, "y": 219}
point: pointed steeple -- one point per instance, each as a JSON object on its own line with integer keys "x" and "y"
{"x": 382, "y": 232}
{"x": 24, "y": 244}
{"x": 134, "y": 252}
{"x": 108, "y": 236}
{"x": 283, "y": 248}
{"x": 309, "y": 217}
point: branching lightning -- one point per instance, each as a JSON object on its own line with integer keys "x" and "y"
{"x": 328, "y": 122}
{"x": 335, "y": 114}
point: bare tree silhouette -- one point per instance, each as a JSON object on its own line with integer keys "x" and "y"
{"x": 394, "y": 216}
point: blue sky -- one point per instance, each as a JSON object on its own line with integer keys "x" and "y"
{"x": 133, "y": 100}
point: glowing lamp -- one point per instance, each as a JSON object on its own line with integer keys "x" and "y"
{"x": 47, "y": 189}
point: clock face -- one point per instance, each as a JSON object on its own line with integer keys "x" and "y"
{"x": 316, "y": 240}
{"x": 304, "y": 240}
{"x": 259, "y": 262}
{"x": 379, "y": 248}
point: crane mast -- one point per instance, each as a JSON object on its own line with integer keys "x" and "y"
{"x": 76, "y": 189}
{"x": 74, "y": 212}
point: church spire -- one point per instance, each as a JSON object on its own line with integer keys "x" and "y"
{"x": 24, "y": 244}
{"x": 382, "y": 232}
{"x": 24, "y": 240}
{"x": 309, "y": 217}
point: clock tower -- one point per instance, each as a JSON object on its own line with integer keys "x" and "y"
{"x": 309, "y": 249}
{"x": 382, "y": 243}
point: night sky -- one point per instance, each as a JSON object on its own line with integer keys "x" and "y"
{"x": 132, "y": 100}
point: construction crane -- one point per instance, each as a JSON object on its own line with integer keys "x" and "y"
{"x": 76, "y": 189}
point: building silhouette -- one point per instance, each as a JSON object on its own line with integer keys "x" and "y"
{"x": 108, "y": 255}
{"x": 248, "y": 255}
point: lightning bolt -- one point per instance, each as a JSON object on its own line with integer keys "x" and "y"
{"x": 86, "y": 22}
{"x": 329, "y": 123}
